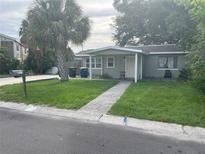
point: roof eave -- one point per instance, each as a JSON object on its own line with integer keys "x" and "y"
{"x": 115, "y": 48}
{"x": 168, "y": 53}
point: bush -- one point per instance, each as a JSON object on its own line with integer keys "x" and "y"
{"x": 196, "y": 63}
{"x": 7, "y": 63}
{"x": 184, "y": 74}
{"x": 200, "y": 84}
{"x": 40, "y": 63}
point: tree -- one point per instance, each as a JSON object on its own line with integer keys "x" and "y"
{"x": 55, "y": 24}
{"x": 48, "y": 60}
{"x": 7, "y": 63}
{"x": 152, "y": 22}
{"x": 196, "y": 56}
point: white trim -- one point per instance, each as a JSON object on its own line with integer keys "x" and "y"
{"x": 136, "y": 69}
{"x": 171, "y": 69}
{"x": 115, "y": 48}
{"x": 95, "y": 62}
{"x": 113, "y": 61}
{"x": 164, "y": 53}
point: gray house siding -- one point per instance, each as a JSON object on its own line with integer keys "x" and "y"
{"x": 119, "y": 66}
{"x": 151, "y": 70}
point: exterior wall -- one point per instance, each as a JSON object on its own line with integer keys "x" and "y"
{"x": 119, "y": 66}
{"x": 112, "y": 72}
{"x": 151, "y": 70}
{"x": 149, "y": 66}
{"x": 9, "y": 46}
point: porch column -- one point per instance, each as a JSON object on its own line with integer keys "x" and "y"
{"x": 90, "y": 67}
{"x": 141, "y": 68}
{"x": 136, "y": 69}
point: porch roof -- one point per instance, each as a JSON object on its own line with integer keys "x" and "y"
{"x": 115, "y": 49}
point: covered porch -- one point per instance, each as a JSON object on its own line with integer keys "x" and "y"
{"x": 117, "y": 64}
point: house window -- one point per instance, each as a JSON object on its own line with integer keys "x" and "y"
{"x": 96, "y": 62}
{"x": 87, "y": 63}
{"x": 93, "y": 62}
{"x": 110, "y": 62}
{"x": 167, "y": 62}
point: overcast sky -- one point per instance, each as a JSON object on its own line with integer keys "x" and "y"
{"x": 101, "y": 13}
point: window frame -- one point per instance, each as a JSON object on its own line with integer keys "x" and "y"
{"x": 93, "y": 62}
{"x": 175, "y": 63}
{"x": 98, "y": 62}
{"x": 113, "y": 62}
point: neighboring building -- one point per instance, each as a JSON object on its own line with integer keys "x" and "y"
{"x": 134, "y": 62}
{"x": 14, "y": 48}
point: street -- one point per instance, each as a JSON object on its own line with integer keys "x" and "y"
{"x": 23, "y": 133}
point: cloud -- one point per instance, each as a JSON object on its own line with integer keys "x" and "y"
{"x": 101, "y": 13}
{"x": 12, "y": 12}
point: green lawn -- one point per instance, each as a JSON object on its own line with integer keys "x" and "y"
{"x": 166, "y": 101}
{"x": 69, "y": 95}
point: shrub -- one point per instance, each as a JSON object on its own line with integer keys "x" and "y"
{"x": 7, "y": 63}
{"x": 184, "y": 74}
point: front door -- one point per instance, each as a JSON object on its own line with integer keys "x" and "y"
{"x": 129, "y": 67}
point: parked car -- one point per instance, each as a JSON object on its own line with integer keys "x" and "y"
{"x": 16, "y": 73}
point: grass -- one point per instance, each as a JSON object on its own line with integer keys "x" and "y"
{"x": 69, "y": 95}
{"x": 166, "y": 101}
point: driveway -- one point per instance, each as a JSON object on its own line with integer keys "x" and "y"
{"x": 12, "y": 80}
{"x": 22, "y": 133}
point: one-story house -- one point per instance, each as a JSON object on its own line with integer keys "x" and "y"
{"x": 134, "y": 62}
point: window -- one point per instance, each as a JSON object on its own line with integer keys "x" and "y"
{"x": 87, "y": 64}
{"x": 93, "y": 62}
{"x": 167, "y": 62}
{"x": 110, "y": 62}
{"x": 96, "y": 62}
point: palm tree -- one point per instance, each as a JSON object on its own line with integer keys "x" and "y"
{"x": 55, "y": 24}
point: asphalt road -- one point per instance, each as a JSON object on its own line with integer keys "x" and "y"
{"x": 22, "y": 133}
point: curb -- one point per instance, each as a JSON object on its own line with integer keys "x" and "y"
{"x": 175, "y": 131}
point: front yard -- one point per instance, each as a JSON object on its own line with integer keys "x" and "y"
{"x": 69, "y": 95}
{"x": 166, "y": 101}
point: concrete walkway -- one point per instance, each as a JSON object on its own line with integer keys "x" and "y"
{"x": 12, "y": 80}
{"x": 105, "y": 101}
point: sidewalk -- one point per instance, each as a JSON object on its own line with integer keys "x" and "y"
{"x": 185, "y": 133}
{"x": 105, "y": 101}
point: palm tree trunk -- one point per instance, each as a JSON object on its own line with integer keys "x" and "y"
{"x": 61, "y": 60}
